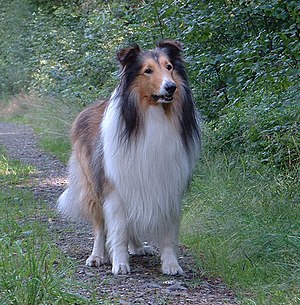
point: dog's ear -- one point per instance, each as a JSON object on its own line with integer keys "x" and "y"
{"x": 128, "y": 55}
{"x": 172, "y": 47}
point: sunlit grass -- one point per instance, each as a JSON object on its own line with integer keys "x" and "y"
{"x": 32, "y": 269}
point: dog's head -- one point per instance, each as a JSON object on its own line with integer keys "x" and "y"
{"x": 156, "y": 78}
{"x": 153, "y": 75}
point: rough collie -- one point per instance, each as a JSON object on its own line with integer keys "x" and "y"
{"x": 133, "y": 158}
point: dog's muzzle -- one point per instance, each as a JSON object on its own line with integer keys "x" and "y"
{"x": 163, "y": 98}
{"x": 169, "y": 90}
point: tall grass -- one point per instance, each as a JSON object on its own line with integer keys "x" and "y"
{"x": 242, "y": 220}
{"x": 32, "y": 268}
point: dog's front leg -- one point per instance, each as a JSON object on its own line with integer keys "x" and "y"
{"x": 169, "y": 250}
{"x": 117, "y": 234}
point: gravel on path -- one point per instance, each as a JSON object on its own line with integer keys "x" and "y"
{"x": 145, "y": 284}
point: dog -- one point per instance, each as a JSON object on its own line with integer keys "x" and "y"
{"x": 133, "y": 157}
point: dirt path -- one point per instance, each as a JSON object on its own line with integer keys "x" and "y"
{"x": 145, "y": 285}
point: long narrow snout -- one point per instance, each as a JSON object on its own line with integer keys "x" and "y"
{"x": 166, "y": 92}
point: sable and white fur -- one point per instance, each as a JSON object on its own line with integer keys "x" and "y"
{"x": 133, "y": 158}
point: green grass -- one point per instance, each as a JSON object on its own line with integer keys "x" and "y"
{"x": 59, "y": 147}
{"x": 32, "y": 269}
{"x": 242, "y": 220}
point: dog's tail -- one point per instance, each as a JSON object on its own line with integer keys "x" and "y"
{"x": 78, "y": 201}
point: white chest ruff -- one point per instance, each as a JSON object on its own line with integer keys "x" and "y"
{"x": 150, "y": 173}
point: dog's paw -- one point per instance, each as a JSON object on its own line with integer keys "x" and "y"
{"x": 147, "y": 250}
{"x": 144, "y": 250}
{"x": 96, "y": 261}
{"x": 171, "y": 268}
{"x": 120, "y": 269}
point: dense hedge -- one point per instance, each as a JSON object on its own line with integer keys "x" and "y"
{"x": 242, "y": 56}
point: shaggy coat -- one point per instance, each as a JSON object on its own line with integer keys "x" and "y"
{"x": 133, "y": 157}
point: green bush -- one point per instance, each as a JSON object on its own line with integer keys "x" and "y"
{"x": 14, "y": 42}
{"x": 267, "y": 124}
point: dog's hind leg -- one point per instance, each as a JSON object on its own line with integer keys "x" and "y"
{"x": 95, "y": 215}
{"x": 99, "y": 254}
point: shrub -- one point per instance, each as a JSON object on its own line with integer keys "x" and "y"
{"x": 265, "y": 124}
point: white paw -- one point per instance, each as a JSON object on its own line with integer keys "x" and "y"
{"x": 96, "y": 261}
{"x": 120, "y": 269}
{"x": 171, "y": 268}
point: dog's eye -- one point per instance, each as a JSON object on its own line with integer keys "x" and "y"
{"x": 169, "y": 67}
{"x": 148, "y": 71}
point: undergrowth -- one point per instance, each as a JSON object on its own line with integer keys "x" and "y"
{"x": 242, "y": 221}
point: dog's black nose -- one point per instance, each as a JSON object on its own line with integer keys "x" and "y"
{"x": 170, "y": 87}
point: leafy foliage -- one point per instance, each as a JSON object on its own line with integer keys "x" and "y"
{"x": 239, "y": 53}
{"x": 265, "y": 124}
{"x": 15, "y": 75}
